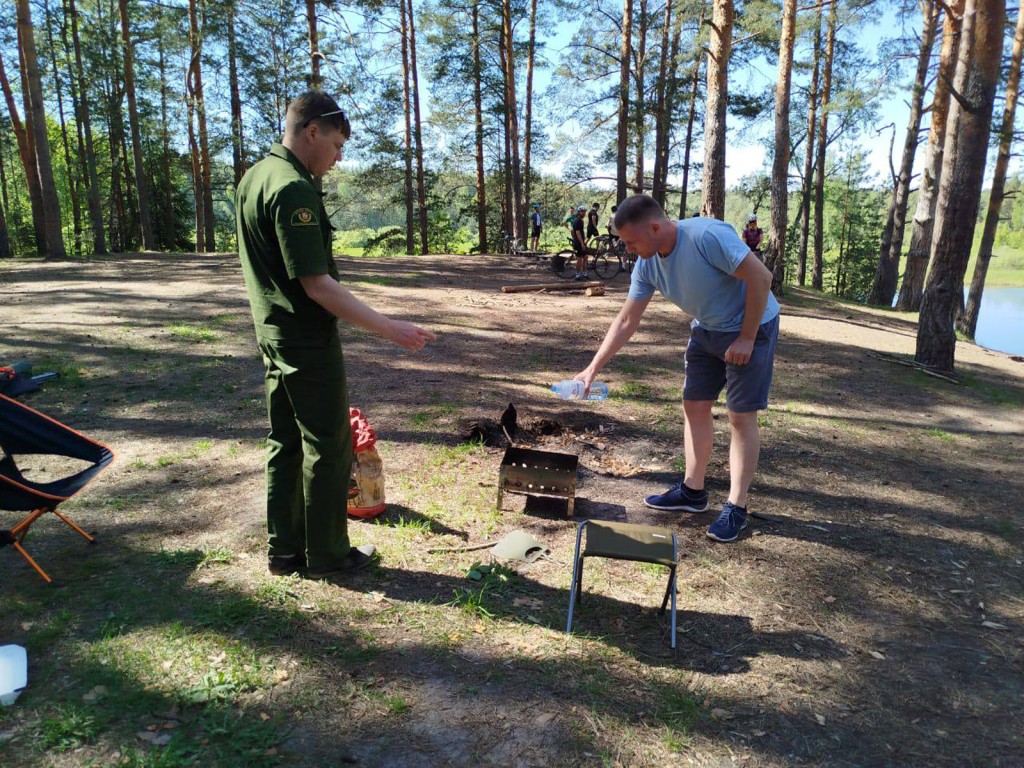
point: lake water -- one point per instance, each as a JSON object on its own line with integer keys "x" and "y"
{"x": 1001, "y": 320}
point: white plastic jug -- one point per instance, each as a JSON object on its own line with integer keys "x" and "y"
{"x": 13, "y": 673}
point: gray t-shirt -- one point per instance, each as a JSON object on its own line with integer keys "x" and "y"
{"x": 697, "y": 276}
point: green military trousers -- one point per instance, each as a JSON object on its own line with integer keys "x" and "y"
{"x": 309, "y": 451}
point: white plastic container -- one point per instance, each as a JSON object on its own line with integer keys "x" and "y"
{"x": 13, "y": 673}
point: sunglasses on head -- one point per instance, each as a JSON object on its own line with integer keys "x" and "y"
{"x": 341, "y": 112}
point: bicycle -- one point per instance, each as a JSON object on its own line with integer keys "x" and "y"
{"x": 513, "y": 246}
{"x": 607, "y": 257}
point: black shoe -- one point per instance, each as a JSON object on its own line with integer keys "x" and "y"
{"x": 356, "y": 559}
{"x": 284, "y": 565}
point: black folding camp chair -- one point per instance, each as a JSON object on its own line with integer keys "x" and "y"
{"x": 24, "y": 431}
{"x": 625, "y": 541}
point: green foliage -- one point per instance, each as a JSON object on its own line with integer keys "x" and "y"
{"x": 852, "y": 226}
{"x": 387, "y": 242}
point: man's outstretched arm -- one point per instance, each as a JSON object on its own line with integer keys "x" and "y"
{"x": 619, "y": 332}
{"x": 342, "y": 303}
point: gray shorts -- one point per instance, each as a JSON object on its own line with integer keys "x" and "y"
{"x": 746, "y": 386}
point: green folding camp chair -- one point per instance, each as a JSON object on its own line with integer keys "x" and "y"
{"x": 625, "y": 541}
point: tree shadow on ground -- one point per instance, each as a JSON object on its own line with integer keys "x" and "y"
{"x": 135, "y": 616}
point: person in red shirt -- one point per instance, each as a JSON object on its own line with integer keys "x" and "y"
{"x": 752, "y": 235}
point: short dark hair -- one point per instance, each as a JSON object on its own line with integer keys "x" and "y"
{"x": 316, "y": 106}
{"x": 637, "y": 209}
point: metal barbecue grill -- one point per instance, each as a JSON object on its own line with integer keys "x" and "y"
{"x": 538, "y": 473}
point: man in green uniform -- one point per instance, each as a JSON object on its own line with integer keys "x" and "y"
{"x": 284, "y": 242}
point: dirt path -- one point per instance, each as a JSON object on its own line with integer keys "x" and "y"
{"x": 878, "y": 620}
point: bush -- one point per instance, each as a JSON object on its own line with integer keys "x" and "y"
{"x": 387, "y": 242}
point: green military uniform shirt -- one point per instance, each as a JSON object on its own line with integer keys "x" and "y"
{"x": 284, "y": 234}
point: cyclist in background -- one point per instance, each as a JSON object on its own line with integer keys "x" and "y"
{"x": 613, "y": 232}
{"x": 567, "y": 221}
{"x": 592, "y": 219}
{"x": 535, "y": 222}
{"x": 579, "y": 243}
{"x": 752, "y": 235}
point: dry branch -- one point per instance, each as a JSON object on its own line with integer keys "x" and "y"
{"x": 561, "y": 286}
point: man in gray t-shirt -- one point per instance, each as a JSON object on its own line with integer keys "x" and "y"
{"x": 703, "y": 267}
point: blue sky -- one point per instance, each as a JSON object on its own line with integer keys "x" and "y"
{"x": 745, "y": 153}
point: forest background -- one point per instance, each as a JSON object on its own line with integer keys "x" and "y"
{"x": 128, "y": 125}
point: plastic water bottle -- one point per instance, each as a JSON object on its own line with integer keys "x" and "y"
{"x": 13, "y": 673}
{"x": 572, "y": 389}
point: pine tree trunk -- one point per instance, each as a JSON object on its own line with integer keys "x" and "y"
{"x": 237, "y": 136}
{"x": 970, "y": 116}
{"x": 50, "y": 204}
{"x": 72, "y": 179}
{"x": 410, "y": 206}
{"x": 421, "y": 189}
{"x": 808, "y": 175}
{"x": 666, "y": 98}
{"x": 478, "y": 115}
{"x": 141, "y": 180}
{"x": 22, "y": 138}
{"x": 169, "y": 234}
{"x": 691, "y": 116}
{"x": 887, "y": 273}
{"x": 315, "y": 80}
{"x": 6, "y": 251}
{"x": 506, "y": 161}
{"x": 909, "y": 299}
{"x": 512, "y": 108}
{"x": 968, "y": 324}
{"x": 775, "y": 248}
{"x": 639, "y": 114}
{"x": 197, "y": 176}
{"x": 195, "y": 81}
{"x": 820, "y": 147}
{"x": 131, "y": 211}
{"x": 528, "y": 137}
{"x": 99, "y": 240}
{"x": 713, "y": 184}
{"x": 5, "y": 239}
{"x": 118, "y": 224}
{"x": 622, "y": 139}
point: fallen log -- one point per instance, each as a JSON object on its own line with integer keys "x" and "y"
{"x": 564, "y": 285}
{"x": 596, "y": 290}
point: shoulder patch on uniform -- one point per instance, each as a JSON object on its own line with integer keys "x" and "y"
{"x": 304, "y": 217}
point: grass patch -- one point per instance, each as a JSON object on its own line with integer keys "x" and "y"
{"x": 433, "y": 415}
{"x": 192, "y": 332}
{"x": 198, "y": 449}
{"x": 633, "y": 390}
{"x": 993, "y": 393}
{"x": 631, "y": 366}
{"x": 456, "y": 454}
{"x": 216, "y": 556}
{"x": 69, "y": 373}
{"x": 941, "y": 435}
{"x": 1005, "y": 529}
{"x": 678, "y": 712}
{"x": 67, "y": 727}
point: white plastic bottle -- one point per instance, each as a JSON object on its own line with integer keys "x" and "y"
{"x": 572, "y": 389}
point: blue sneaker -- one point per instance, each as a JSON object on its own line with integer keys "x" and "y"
{"x": 679, "y": 498}
{"x": 730, "y": 522}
